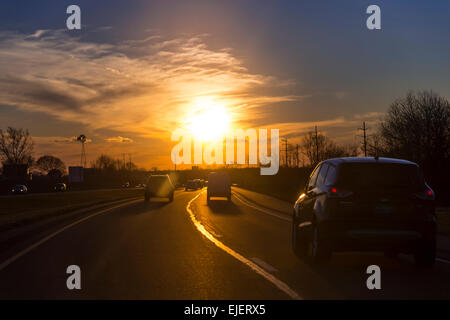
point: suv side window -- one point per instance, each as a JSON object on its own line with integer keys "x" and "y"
{"x": 322, "y": 174}
{"x": 331, "y": 175}
{"x": 312, "y": 179}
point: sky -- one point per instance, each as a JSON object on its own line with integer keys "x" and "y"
{"x": 137, "y": 70}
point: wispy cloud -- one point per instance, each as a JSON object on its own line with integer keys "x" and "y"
{"x": 119, "y": 139}
{"x": 142, "y": 87}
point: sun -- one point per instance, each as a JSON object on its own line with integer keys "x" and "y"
{"x": 210, "y": 121}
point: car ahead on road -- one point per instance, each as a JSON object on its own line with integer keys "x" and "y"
{"x": 60, "y": 187}
{"x": 19, "y": 189}
{"x": 365, "y": 204}
{"x": 126, "y": 185}
{"x": 219, "y": 185}
{"x": 192, "y": 185}
{"x": 159, "y": 186}
{"x": 200, "y": 183}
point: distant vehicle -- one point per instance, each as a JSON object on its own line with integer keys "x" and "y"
{"x": 219, "y": 185}
{"x": 192, "y": 185}
{"x": 159, "y": 186}
{"x": 60, "y": 187}
{"x": 19, "y": 189}
{"x": 140, "y": 185}
{"x": 365, "y": 204}
{"x": 126, "y": 185}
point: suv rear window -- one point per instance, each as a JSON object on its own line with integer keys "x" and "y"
{"x": 157, "y": 180}
{"x": 385, "y": 175}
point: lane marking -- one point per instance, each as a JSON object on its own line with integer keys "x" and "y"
{"x": 45, "y": 239}
{"x": 264, "y": 265}
{"x": 266, "y": 211}
{"x": 259, "y": 270}
{"x": 443, "y": 260}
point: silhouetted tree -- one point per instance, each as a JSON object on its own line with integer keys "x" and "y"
{"x": 319, "y": 147}
{"x": 105, "y": 162}
{"x": 417, "y": 128}
{"x": 16, "y": 146}
{"x": 48, "y": 163}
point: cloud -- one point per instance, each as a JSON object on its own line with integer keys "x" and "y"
{"x": 119, "y": 139}
{"x": 141, "y": 87}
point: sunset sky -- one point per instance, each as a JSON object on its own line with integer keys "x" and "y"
{"x": 139, "y": 69}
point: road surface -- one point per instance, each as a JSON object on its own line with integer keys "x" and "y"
{"x": 188, "y": 250}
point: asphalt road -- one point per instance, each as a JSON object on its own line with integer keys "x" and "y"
{"x": 188, "y": 250}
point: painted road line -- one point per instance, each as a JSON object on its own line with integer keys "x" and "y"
{"x": 266, "y": 211}
{"x": 264, "y": 265}
{"x": 443, "y": 260}
{"x": 50, "y": 236}
{"x": 252, "y": 265}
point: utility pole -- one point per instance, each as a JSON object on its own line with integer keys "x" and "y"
{"x": 364, "y": 129}
{"x": 285, "y": 141}
{"x": 296, "y": 156}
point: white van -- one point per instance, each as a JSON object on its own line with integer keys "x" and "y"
{"x": 219, "y": 185}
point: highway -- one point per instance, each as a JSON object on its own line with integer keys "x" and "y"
{"x": 189, "y": 250}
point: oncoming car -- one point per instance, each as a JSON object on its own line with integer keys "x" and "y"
{"x": 19, "y": 189}
{"x": 159, "y": 186}
{"x": 60, "y": 187}
{"x": 365, "y": 204}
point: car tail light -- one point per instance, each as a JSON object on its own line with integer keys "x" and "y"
{"x": 428, "y": 194}
{"x": 339, "y": 193}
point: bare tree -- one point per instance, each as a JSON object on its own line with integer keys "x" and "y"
{"x": 318, "y": 147}
{"x": 105, "y": 162}
{"x": 48, "y": 163}
{"x": 418, "y": 128}
{"x": 16, "y": 146}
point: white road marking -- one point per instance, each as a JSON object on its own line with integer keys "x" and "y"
{"x": 266, "y": 211}
{"x": 264, "y": 265}
{"x": 259, "y": 270}
{"x": 443, "y": 260}
{"x": 45, "y": 239}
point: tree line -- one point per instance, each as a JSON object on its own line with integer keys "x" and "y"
{"x": 415, "y": 127}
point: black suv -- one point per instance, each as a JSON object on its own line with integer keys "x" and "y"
{"x": 365, "y": 204}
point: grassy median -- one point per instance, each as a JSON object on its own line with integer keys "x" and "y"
{"x": 20, "y": 210}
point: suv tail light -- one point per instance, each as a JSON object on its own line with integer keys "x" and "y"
{"x": 334, "y": 192}
{"x": 427, "y": 194}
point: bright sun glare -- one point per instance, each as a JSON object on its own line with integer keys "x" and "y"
{"x": 210, "y": 122}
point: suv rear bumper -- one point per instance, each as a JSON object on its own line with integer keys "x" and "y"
{"x": 218, "y": 194}
{"x": 377, "y": 237}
